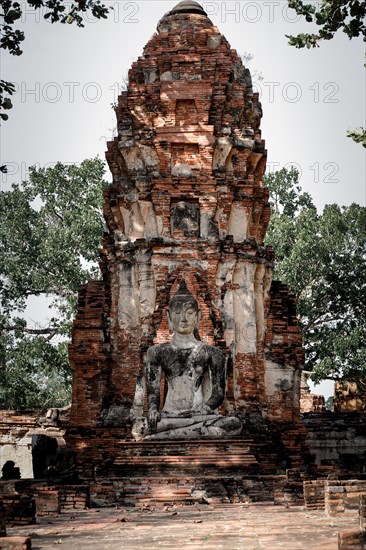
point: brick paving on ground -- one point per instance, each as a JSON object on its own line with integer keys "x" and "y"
{"x": 228, "y": 527}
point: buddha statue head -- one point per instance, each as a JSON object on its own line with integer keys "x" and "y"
{"x": 183, "y": 312}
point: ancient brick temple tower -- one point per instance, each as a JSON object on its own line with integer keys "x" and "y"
{"x": 187, "y": 198}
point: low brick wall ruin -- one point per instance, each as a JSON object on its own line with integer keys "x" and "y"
{"x": 336, "y": 496}
{"x": 24, "y": 500}
{"x": 351, "y": 540}
{"x": 314, "y": 494}
{"x": 19, "y": 509}
{"x": 338, "y": 441}
{"x": 343, "y": 497}
{"x": 355, "y": 540}
{"x": 362, "y": 512}
{"x": 53, "y": 500}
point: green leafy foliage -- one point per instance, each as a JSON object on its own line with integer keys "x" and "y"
{"x": 35, "y": 373}
{"x": 322, "y": 258}
{"x": 330, "y": 16}
{"x": 55, "y": 11}
{"x": 358, "y": 135}
{"x": 5, "y": 101}
{"x": 50, "y": 228}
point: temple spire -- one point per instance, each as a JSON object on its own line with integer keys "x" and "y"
{"x": 187, "y": 6}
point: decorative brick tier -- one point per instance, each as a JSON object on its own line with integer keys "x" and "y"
{"x": 174, "y": 458}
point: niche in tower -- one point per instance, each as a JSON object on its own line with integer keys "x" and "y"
{"x": 185, "y": 159}
{"x": 186, "y": 112}
{"x": 185, "y": 218}
{"x": 188, "y": 70}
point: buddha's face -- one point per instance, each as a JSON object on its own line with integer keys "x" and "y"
{"x": 184, "y": 316}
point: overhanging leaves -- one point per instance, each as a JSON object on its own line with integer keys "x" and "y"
{"x": 322, "y": 258}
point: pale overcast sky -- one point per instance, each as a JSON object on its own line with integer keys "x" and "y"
{"x": 68, "y": 78}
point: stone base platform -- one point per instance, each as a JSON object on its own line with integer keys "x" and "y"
{"x": 164, "y": 472}
{"x": 165, "y": 491}
{"x": 200, "y": 456}
{"x": 112, "y": 452}
{"x": 211, "y": 471}
{"x": 266, "y": 466}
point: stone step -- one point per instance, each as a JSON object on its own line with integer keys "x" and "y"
{"x": 244, "y": 458}
{"x": 184, "y": 445}
{"x": 189, "y": 490}
{"x": 162, "y": 456}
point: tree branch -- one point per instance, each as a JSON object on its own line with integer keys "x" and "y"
{"x": 322, "y": 320}
{"x": 51, "y": 332}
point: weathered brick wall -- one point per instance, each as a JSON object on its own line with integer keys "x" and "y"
{"x": 338, "y": 441}
{"x": 19, "y": 509}
{"x": 314, "y": 494}
{"x": 88, "y": 354}
{"x": 355, "y": 540}
{"x": 16, "y": 437}
{"x": 343, "y": 497}
{"x": 285, "y": 356}
{"x": 362, "y": 512}
{"x": 2, "y": 520}
{"x": 187, "y": 488}
{"x": 337, "y": 497}
{"x": 15, "y": 443}
{"x": 351, "y": 540}
{"x": 23, "y": 500}
{"x": 53, "y": 500}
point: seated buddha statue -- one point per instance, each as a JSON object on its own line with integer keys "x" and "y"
{"x": 195, "y": 375}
